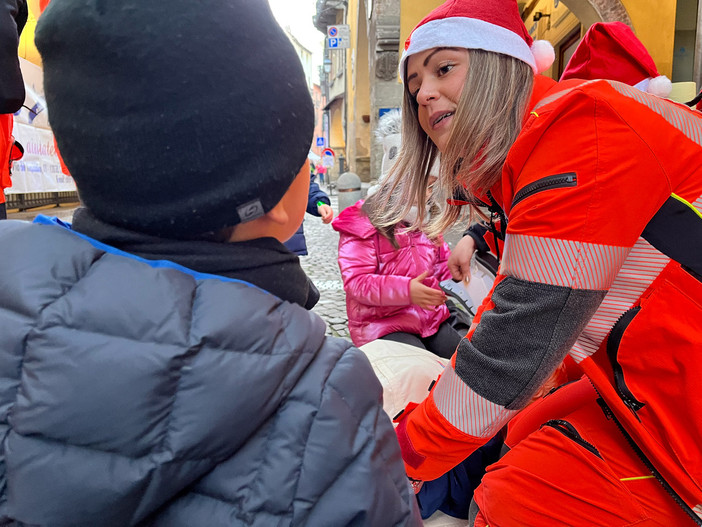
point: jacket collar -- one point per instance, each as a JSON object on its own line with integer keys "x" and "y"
{"x": 264, "y": 262}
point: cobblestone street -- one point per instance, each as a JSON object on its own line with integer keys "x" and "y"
{"x": 322, "y": 268}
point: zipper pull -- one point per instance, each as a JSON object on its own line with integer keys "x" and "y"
{"x": 605, "y": 409}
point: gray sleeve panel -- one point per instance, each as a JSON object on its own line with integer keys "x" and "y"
{"x": 521, "y": 341}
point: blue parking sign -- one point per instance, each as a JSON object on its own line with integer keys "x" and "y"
{"x": 333, "y": 42}
{"x": 320, "y": 141}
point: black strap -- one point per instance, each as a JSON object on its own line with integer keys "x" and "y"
{"x": 676, "y": 231}
{"x": 496, "y": 212}
{"x": 694, "y": 101}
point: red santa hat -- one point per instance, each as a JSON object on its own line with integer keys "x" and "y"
{"x": 610, "y": 50}
{"x": 493, "y": 25}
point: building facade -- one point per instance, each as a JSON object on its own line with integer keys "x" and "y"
{"x": 364, "y": 82}
{"x": 318, "y": 97}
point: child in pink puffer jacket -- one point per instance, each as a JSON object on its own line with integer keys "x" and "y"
{"x": 392, "y": 283}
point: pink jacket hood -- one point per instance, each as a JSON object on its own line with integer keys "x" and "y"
{"x": 353, "y": 221}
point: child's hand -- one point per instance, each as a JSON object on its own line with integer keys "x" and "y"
{"x": 326, "y": 212}
{"x": 425, "y": 296}
{"x": 459, "y": 261}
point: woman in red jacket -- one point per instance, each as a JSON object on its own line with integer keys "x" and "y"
{"x": 601, "y": 188}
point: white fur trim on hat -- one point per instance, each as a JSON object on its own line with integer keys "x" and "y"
{"x": 544, "y": 54}
{"x": 660, "y": 86}
{"x": 469, "y": 33}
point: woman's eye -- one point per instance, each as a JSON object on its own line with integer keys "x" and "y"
{"x": 444, "y": 69}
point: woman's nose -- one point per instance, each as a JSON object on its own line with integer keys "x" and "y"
{"x": 427, "y": 93}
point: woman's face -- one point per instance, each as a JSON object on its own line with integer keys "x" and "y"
{"x": 435, "y": 78}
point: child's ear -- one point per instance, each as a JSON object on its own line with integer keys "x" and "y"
{"x": 278, "y": 215}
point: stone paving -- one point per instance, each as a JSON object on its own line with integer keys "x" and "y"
{"x": 322, "y": 268}
{"x": 63, "y": 212}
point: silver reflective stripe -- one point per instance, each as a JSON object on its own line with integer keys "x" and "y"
{"x": 556, "y": 96}
{"x": 681, "y": 117}
{"x": 466, "y": 410}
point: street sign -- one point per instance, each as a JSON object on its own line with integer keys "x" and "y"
{"x": 328, "y": 157}
{"x": 338, "y": 43}
{"x": 339, "y": 36}
{"x": 339, "y": 31}
{"x": 320, "y": 141}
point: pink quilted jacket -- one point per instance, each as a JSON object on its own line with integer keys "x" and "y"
{"x": 377, "y": 278}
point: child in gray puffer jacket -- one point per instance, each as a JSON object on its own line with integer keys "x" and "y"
{"x": 158, "y": 366}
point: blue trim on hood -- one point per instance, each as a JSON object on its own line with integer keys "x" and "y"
{"x": 156, "y": 264}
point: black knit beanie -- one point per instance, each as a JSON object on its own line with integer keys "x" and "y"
{"x": 175, "y": 117}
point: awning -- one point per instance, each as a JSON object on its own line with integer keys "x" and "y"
{"x": 330, "y": 103}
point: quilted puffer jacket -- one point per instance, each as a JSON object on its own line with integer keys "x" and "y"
{"x": 140, "y": 393}
{"x": 298, "y": 243}
{"x": 377, "y": 277}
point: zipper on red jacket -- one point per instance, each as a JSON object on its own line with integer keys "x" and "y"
{"x": 609, "y": 414}
{"x": 569, "y": 179}
{"x": 613, "y": 341}
{"x": 568, "y": 430}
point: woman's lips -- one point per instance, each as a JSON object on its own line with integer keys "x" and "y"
{"x": 439, "y": 119}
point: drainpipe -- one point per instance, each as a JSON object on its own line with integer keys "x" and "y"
{"x": 346, "y": 84}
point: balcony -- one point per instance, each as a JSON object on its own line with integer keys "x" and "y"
{"x": 327, "y": 13}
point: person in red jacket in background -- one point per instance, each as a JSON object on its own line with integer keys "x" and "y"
{"x": 601, "y": 187}
{"x": 13, "y": 17}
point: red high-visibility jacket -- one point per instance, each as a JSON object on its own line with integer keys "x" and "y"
{"x": 602, "y": 261}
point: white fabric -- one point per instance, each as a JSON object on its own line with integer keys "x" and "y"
{"x": 439, "y": 519}
{"x": 404, "y": 371}
{"x": 660, "y": 86}
{"x": 391, "y": 148}
{"x": 469, "y": 33}
{"x": 480, "y": 283}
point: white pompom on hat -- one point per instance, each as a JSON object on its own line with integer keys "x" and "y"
{"x": 478, "y": 24}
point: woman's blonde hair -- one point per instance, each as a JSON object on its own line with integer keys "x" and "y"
{"x": 488, "y": 120}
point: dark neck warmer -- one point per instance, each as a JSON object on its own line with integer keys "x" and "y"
{"x": 264, "y": 262}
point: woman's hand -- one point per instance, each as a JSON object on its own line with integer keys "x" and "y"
{"x": 459, "y": 261}
{"x": 424, "y": 296}
{"x": 326, "y": 212}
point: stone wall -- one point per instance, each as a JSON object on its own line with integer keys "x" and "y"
{"x": 385, "y": 88}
